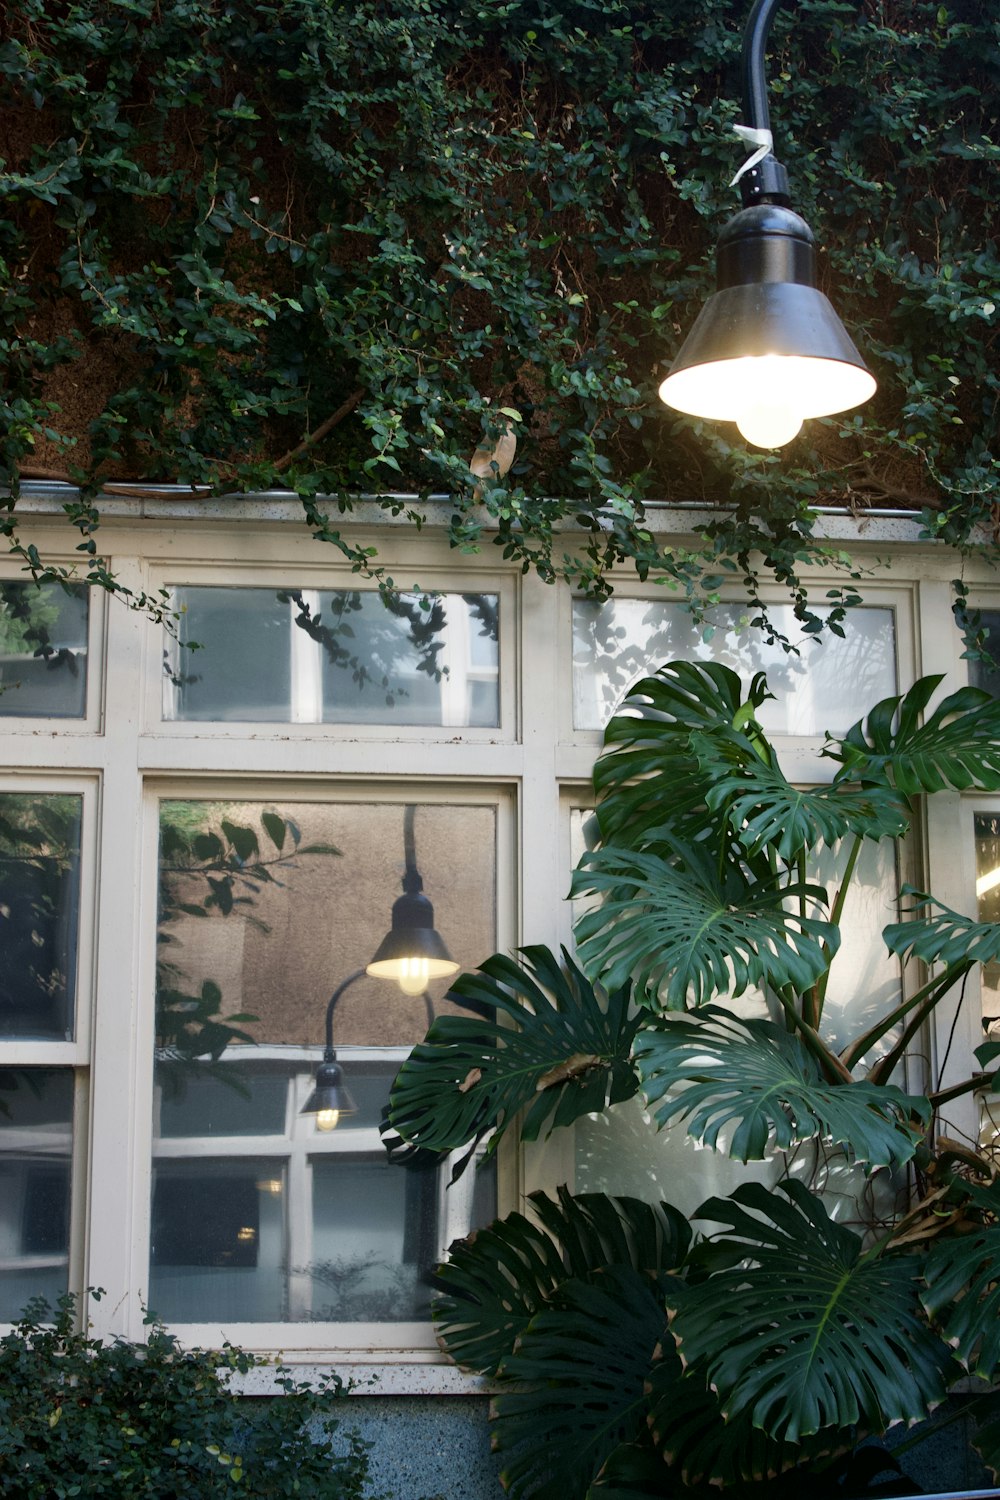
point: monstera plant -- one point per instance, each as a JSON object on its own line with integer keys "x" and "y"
{"x": 637, "y": 1353}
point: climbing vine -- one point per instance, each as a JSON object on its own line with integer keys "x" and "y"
{"x": 338, "y": 249}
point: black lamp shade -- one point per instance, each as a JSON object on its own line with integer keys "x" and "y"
{"x": 768, "y": 338}
{"x": 412, "y": 946}
{"x": 330, "y": 1093}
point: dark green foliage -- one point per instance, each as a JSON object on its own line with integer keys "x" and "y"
{"x": 766, "y": 811}
{"x": 799, "y": 1313}
{"x": 957, "y": 745}
{"x": 686, "y": 929}
{"x": 586, "y": 1356}
{"x": 80, "y": 1417}
{"x": 789, "y": 1336}
{"x": 963, "y": 1289}
{"x": 336, "y": 247}
{"x": 720, "y": 1074}
{"x": 566, "y": 1053}
{"x": 495, "y": 1282}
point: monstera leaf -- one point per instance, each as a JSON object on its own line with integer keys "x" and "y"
{"x": 701, "y": 1448}
{"x": 767, "y": 812}
{"x": 648, "y": 765}
{"x": 814, "y": 1332}
{"x": 944, "y": 936}
{"x": 685, "y": 931}
{"x": 633, "y": 1471}
{"x": 541, "y": 1040}
{"x": 958, "y": 745}
{"x": 495, "y": 1281}
{"x": 963, "y": 1285}
{"x": 584, "y": 1360}
{"x": 756, "y": 1077}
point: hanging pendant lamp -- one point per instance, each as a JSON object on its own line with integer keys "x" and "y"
{"x": 767, "y": 350}
{"x": 412, "y": 952}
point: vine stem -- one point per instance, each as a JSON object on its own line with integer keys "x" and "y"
{"x": 344, "y": 410}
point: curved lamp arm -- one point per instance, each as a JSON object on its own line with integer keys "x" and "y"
{"x": 767, "y": 182}
{"x": 329, "y": 1055}
{"x": 755, "y": 106}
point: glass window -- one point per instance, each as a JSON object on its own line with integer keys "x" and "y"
{"x": 36, "y": 1137}
{"x": 266, "y": 912}
{"x": 986, "y": 827}
{"x": 986, "y": 674}
{"x": 43, "y": 650}
{"x": 621, "y": 1151}
{"x": 345, "y": 656}
{"x": 39, "y": 914}
{"x": 828, "y": 686}
{"x": 987, "y": 835}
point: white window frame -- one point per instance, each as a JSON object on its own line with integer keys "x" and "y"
{"x": 91, "y": 721}
{"x": 357, "y": 1342}
{"x": 310, "y": 580}
{"x": 127, "y": 755}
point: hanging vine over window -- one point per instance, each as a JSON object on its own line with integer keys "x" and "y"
{"x": 339, "y": 249}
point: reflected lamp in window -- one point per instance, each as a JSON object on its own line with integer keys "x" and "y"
{"x": 43, "y": 650}
{"x": 265, "y": 911}
{"x": 341, "y": 656}
{"x": 828, "y": 686}
{"x": 39, "y": 914}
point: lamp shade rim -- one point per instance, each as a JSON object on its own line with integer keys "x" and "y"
{"x": 400, "y": 943}
{"x": 720, "y": 390}
{"x": 335, "y": 1097}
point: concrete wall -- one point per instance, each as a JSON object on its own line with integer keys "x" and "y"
{"x": 426, "y": 1447}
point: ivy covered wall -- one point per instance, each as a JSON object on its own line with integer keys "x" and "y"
{"x": 336, "y": 248}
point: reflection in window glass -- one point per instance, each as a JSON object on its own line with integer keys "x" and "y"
{"x": 43, "y": 650}
{"x": 343, "y": 656}
{"x": 265, "y": 911}
{"x": 986, "y": 674}
{"x": 986, "y": 826}
{"x": 36, "y": 1137}
{"x": 987, "y": 834}
{"x": 39, "y": 914}
{"x": 621, "y": 1151}
{"x": 827, "y": 687}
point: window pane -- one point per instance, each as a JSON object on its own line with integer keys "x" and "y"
{"x": 374, "y": 1265}
{"x": 986, "y": 674}
{"x": 217, "y": 1248}
{"x": 828, "y": 686}
{"x": 621, "y": 1150}
{"x": 36, "y": 1139}
{"x": 43, "y": 650}
{"x": 238, "y": 1099}
{"x": 987, "y": 833}
{"x": 267, "y": 911}
{"x": 39, "y": 914}
{"x": 334, "y": 656}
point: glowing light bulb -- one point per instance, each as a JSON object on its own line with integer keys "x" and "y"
{"x": 768, "y": 425}
{"x": 327, "y": 1119}
{"x": 414, "y": 975}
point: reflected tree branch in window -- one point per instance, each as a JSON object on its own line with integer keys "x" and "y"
{"x": 39, "y": 880}
{"x": 212, "y": 867}
{"x": 486, "y": 609}
{"x": 28, "y": 614}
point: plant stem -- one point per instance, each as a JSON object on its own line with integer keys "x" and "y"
{"x": 829, "y": 1061}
